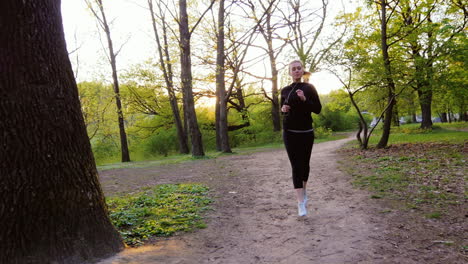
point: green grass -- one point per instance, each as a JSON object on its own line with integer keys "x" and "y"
{"x": 422, "y": 168}
{"x": 159, "y": 211}
{"x": 453, "y": 125}
{"x": 179, "y": 158}
{"x": 413, "y": 134}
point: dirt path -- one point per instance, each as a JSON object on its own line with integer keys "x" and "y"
{"x": 255, "y": 218}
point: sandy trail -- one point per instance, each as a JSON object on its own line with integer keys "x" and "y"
{"x": 255, "y": 218}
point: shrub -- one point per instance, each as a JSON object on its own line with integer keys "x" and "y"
{"x": 105, "y": 149}
{"x": 162, "y": 143}
{"x": 322, "y": 132}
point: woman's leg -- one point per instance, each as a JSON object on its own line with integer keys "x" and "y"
{"x": 292, "y": 142}
{"x": 309, "y": 142}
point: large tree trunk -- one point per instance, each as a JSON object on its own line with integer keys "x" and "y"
{"x": 186, "y": 76}
{"x": 222, "y": 128}
{"x": 425, "y": 100}
{"x": 388, "y": 78}
{"x": 123, "y": 134}
{"x": 443, "y": 117}
{"x": 166, "y": 67}
{"x": 52, "y": 208}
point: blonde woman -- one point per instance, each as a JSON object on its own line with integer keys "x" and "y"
{"x": 298, "y": 101}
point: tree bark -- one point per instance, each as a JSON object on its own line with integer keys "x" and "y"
{"x": 217, "y": 117}
{"x": 390, "y": 84}
{"x": 166, "y": 67}
{"x": 113, "y": 61}
{"x": 396, "y": 115}
{"x": 186, "y": 76}
{"x": 222, "y": 128}
{"x": 443, "y": 117}
{"x": 275, "y": 114}
{"x": 52, "y": 208}
{"x": 425, "y": 101}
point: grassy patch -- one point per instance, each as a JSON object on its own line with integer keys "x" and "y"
{"x": 424, "y": 168}
{"x": 434, "y": 215}
{"x": 413, "y": 134}
{"x": 426, "y": 173}
{"x": 453, "y": 125}
{"x": 174, "y": 159}
{"x": 159, "y": 211}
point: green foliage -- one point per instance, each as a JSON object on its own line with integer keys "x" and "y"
{"x": 337, "y": 113}
{"x": 337, "y": 120}
{"x": 322, "y": 132}
{"x": 105, "y": 149}
{"x": 159, "y": 211}
{"x": 161, "y": 143}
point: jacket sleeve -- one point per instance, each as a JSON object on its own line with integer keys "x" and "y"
{"x": 312, "y": 102}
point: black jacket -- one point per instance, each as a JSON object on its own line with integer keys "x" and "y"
{"x": 299, "y": 116}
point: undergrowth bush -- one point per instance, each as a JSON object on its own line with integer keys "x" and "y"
{"x": 161, "y": 143}
{"x": 322, "y": 132}
{"x": 105, "y": 149}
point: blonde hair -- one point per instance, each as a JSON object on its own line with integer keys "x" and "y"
{"x": 296, "y": 61}
{"x": 306, "y": 75}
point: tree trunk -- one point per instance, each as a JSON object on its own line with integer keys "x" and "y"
{"x": 52, "y": 208}
{"x": 123, "y": 134}
{"x": 396, "y": 115}
{"x": 389, "y": 80}
{"x": 168, "y": 77}
{"x": 425, "y": 100}
{"x": 217, "y": 117}
{"x": 220, "y": 84}
{"x": 186, "y": 77}
{"x": 362, "y": 123}
{"x": 443, "y": 117}
{"x": 275, "y": 114}
{"x": 413, "y": 110}
{"x": 242, "y": 107}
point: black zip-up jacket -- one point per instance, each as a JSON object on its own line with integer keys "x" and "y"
{"x": 299, "y": 116}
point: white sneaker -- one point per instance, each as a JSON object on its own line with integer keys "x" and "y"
{"x": 301, "y": 207}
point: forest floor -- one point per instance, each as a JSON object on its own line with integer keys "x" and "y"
{"x": 255, "y": 216}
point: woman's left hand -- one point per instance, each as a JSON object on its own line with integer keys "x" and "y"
{"x": 301, "y": 95}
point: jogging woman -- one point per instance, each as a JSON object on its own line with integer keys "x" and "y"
{"x": 298, "y": 101}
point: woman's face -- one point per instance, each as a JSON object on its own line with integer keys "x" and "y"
{"x": 295, "y": 70}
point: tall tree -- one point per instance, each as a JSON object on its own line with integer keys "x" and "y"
{"x": 429, "y": 42}
{"x": 269, "y": 27}
{"x": 100, "y": 15}
{"x": 185, "y": 34}
{"x": 222, "y": 125}
{"x": 235, "y": 57}
{"x": 52, "y": 208}
{"x": 166, "y": 67}
{"x": 382, "y": 6}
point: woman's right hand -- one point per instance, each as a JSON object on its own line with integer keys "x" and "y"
{"x": 285, "y": 108}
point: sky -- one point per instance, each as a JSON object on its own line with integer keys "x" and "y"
{"x": 131, "y": 31}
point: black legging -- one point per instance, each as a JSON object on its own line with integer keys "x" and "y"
{"x": 299, "y": 147}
